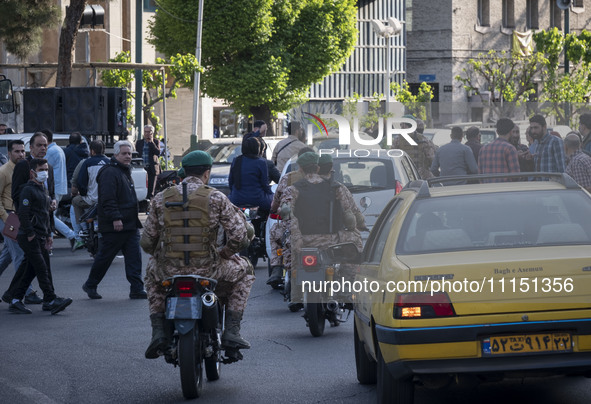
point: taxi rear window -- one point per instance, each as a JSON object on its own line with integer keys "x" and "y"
{"x": 503, "y": 220}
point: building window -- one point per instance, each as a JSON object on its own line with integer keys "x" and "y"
{"x": 532, "y": 14}
{"x": 484, "y": 13}
{"x": 508, "y": 14}
{"x": 149, "y": 5}
{"x": 578, "y": 6}
{"x": 555, "y": 15}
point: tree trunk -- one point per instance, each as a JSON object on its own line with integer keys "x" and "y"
{"x": 263, "y": 112}
{"x": 67, "y": 44}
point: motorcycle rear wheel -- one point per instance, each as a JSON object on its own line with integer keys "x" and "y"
{"x": 190, "y": 363}
{"x": 315, "y": 313}
{"x": 213, "y": 364}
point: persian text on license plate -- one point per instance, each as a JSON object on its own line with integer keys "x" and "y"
{"x": 528, "y": 343}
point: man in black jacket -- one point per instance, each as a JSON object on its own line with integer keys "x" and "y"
{"x": 118, "y": 224}
{"x": 34, "y": 237}
{"x": 149, "y": 151}
{"x": 76, "y": 151}
{"x": 20, "y": 175}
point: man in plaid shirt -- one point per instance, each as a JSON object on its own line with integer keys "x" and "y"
{"x": 499, "y": 156}
{"x": 579, "y": 163}
{"x": 549, "y": 150}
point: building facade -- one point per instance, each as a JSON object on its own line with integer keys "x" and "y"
{"x": 444, "y": 34}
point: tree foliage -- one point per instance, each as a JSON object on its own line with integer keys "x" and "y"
{"x": 260, "y": 55}
{"x": 561, "y": 91}
{"x": 509, "y": 78}
{"x": 22, "y": 24}
{"x": 415, "y": 104}
{"x": 182, "y": 71}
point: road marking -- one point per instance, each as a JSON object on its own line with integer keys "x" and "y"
{"x": 29, "y": 392}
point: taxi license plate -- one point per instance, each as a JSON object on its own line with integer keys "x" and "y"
{"x": 528, "y": 343}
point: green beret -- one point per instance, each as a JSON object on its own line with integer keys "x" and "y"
{"x": 197, "y": 158}
{"x": 307, "y": 159}
{"x": 410, "y": 117}
{"x": 325, "y": 159}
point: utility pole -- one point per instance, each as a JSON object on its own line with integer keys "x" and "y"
{"x": 196, "y": 85}
{"x": 139, "y": 94}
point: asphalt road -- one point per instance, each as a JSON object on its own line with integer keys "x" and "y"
{"x": 94, "y": 353}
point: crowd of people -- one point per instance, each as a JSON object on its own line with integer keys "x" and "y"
{"x": 546, "y": 152}
{"x": 31, "y": 189}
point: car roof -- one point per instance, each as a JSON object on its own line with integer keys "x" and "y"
{"x": 15, "y": 136}
{"x": 559, "y": 182}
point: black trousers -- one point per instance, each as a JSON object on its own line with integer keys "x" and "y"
{"x": 151, "y": 171}
{"x": 35, "y": 264}
{"x": 109, "y": 245}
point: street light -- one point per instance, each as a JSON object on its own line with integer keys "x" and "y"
{"x": 393, "y": 28}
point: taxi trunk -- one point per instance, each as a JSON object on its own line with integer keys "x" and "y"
{"x": 507, "y": 280}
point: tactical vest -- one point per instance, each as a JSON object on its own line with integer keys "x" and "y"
{"x": 294, "y": 177}
{"x": 315, "y": 206}
{"x": 199, "y": 240}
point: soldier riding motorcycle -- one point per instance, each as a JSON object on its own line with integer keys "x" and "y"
{"x": 321, "y": 216}
{"x": 181, "y": 235}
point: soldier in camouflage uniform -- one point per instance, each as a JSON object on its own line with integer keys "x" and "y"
{"x": 354, "y": 220}
{"x": 163, "y": 239}
{"x": 277, "y": 231}
{"x": 422, "y": 154}
{"x": 301, "y": 235}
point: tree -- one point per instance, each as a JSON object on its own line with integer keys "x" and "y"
{"x": 508, "y": 78}
{"x": 369, "y": 120}
{"x": 260, "y": 55}
{"x": 68, "y": 35}
{"x": 562, "y": 92}
{"x": 182, "y": 72}
{"x": 415, "y": 104}
{"x": 23, "y": 21}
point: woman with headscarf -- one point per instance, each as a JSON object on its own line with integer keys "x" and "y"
{"x": 249, "y": 178}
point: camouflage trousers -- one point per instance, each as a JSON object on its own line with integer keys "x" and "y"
{"x": 313, "y": 240}
{"x": 277, "y": 232}
{"x": 235, "y": 280}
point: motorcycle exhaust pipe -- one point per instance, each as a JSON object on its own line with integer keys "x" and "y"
{"x": 209, "y": 317}
{"x": 332, "y": 305}
{"x": 208, "y": 299}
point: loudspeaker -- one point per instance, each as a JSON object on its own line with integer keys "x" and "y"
{"x": 117, "y": 111}
{"x": 84, "y": 110}
{"x": 563, "y": 4}
{"x": 42, "y": 109}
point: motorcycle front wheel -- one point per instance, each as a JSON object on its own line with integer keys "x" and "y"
{"x": 191, "y": 363}
{"x": 315, "y": 314}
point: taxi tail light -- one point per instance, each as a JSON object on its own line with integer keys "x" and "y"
{"x": 398, "y": 187}
{"x": 423, "y": 305}
{"x": 185, "y": 288}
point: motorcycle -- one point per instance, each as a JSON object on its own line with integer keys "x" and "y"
{"x": 194, "y": 323}
{"x": 256, "y": 249}
{"x": 317, "y": 269}
{"x": 89, "y": 233}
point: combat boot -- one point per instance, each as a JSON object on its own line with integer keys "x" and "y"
{"x": 231, "y": 337}
{"x": 159, "y": 340}
{"x": 275, "y": 278}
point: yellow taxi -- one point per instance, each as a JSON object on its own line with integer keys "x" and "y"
{"x": 492, "y": 279}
